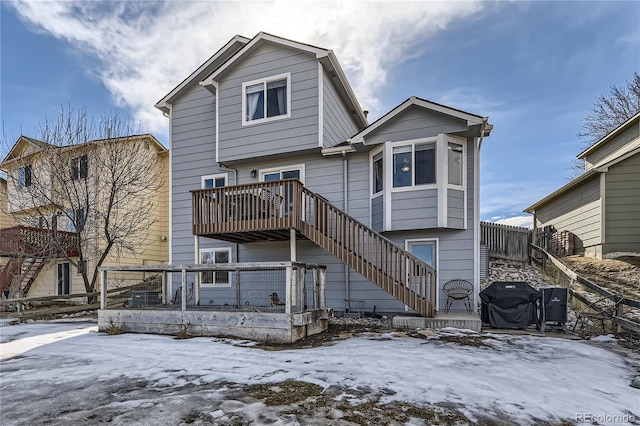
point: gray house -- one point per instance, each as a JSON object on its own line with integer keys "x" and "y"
{"x": 272, "y": 158}
{"x": 601, "y": 207}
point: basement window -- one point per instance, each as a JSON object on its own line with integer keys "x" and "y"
{"x": 215, "y": 256}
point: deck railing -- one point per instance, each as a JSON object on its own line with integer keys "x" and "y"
{"x": 27, "y": 241}
{"x": 267, "y": 207}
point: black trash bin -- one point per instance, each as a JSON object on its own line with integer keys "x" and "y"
{"x": 509, "y": 304}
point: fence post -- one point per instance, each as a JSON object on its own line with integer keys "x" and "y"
{"x": 165, "y": 288}
{"x": 303, "y": 289}
{"x": 184, "y": 289}
{"x": 619, "y": 313}
{"x": 103, "y": 289}
{"x": 323, "y": 294}
{"x": 290, "y": 279}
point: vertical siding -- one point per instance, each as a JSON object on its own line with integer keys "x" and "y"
{"x": 416, "y": 123}
{"x": 338, "y": 123}
{"x": 577, "y": 211}
{"x": 613, "y": 145}
{"x": 622, "y": 206}
{"x": 297, "y": 133}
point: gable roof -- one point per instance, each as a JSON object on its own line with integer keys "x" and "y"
{"x": 14, "y": 153}
{"x": 601, "y": 168}
{"x": 326, "y": 57}
{"x": 210, "y": 65}
{"x": 471, "y": 119}
{"x": 602, "y": 142}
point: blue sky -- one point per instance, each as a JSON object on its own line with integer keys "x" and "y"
{"x": 535, "y": 68}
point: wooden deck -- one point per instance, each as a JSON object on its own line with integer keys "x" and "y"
{"x": 267, "y": 211}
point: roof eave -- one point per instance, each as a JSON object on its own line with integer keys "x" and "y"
{"x": 532, "y": 208}
{"x": 609, "y": 136}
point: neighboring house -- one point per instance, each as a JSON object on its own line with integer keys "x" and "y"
{"x": 40, "y": 220}
{"x": 601, "y": 208}
{"x": 267, "y": 109}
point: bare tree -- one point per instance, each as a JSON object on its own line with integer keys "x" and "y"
{"x": 608, "y": 112}
{"x": 95, "y": 179}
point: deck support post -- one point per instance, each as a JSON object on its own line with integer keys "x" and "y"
{"x": 197, "y": 277}
{"x": 184, "y": 289}
{"x": 165, "y": 288}
{"x": 103, "y": 289}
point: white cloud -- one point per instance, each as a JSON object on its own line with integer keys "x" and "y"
{"x": 146, "y": 48}
{"x": 521, "y": 221}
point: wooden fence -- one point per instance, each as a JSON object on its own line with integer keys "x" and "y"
{"x": 506, "y": 242}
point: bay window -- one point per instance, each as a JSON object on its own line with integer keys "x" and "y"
{"x": 454, "y": 154}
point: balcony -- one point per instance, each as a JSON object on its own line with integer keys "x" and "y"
{"x": 36, "y": 242}
{"x": 263, "y": 211}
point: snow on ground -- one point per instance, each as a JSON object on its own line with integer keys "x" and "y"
{"x": 68, "y": 373}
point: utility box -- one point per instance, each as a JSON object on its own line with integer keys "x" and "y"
{"x": 553, "y": 308}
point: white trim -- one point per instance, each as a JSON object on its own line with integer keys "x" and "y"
{"x": 267, "y": 37}
{"x": 435, "y": 240}
{"x": 164, "y": 105}
{"x": 169, "y": 207}
{"x": 476, "y": 224}
{"x": 213, "y": 251}
{"x": 320, "y": 105}
{"x": 388, "y": 184}
{"x": 217, "y": 141}
{"x": 265, "y": 81}
{"x": 442, "y": 175}
{"x": 471, "y": 119}
{"x": 281, "y": 169}
{"x": 214, "y": 177}
{"x": 372, "y": 154}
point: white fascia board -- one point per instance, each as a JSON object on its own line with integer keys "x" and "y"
{"x": 335, "y": 150}
{"x": 164, "y": 103}
{"x": 608, "y": 137}
{"x": 251, "y": 44}
{"x": 471, "y": 119}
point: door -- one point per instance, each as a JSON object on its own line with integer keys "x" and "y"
{"x": 287, "y": 195}
{"x": 63, "y": 284}
{"x": 424, "y": 250}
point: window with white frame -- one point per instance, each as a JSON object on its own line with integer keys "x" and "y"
{"x": 424, "y": 250}
{"x": 378, "y": 173}
{"x": 24, "y": 176}
{"x": 79, "y": 167}
{"x": 214, "y": 181}
{"x": 414, "y": 164}
{"x": 455, "y": 163}
{"x": 212, "y": 256}
{"x": 267, "y": 99}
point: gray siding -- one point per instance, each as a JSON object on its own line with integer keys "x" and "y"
{"x": 358, "y": 187}
{"x": 622, "y": 206}
{"x": 377, "y": 213}
{"x": 192, "y": 155}
{"x": 297, "y": 133}
{"x": 414, "y": 209}
{"x": 613, "y": 145}
{"x": 455, "y": 209}
{"x": 415, "y": 123}
{"x": 577, "y": 211}
{"x": 338, "y": 124}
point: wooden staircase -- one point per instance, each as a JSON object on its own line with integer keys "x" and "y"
{"x": 21, "y": 283}
{"x": 268, "y": 210}
{"x": 10, "y": 270}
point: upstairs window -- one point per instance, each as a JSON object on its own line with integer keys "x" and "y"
{"x": 454, "y": 153}
{"x": 24, "y": 176}
{"x": 378, "y": 173}
{"x": 79, "y": 167}
{"x": 414, "y": 165}
{"x": 265, "y": 100}
{"x": 76, "y": 220}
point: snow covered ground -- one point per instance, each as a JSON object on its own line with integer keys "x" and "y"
{"x": 67, "y": 373}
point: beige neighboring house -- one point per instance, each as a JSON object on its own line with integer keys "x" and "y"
{"x": 601, "y": 208}
{"x": 27, "y": 267}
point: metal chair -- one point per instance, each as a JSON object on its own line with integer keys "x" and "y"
{"x": 458, "y": 290}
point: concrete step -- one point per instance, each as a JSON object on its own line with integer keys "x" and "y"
{"x": 442, "y": 320}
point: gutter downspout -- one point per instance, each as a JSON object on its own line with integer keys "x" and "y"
{"x": 347, "y": 278}
{"x": 476, "y": 222}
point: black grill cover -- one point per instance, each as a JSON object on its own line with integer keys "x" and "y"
{"x": 509, "y": 304}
